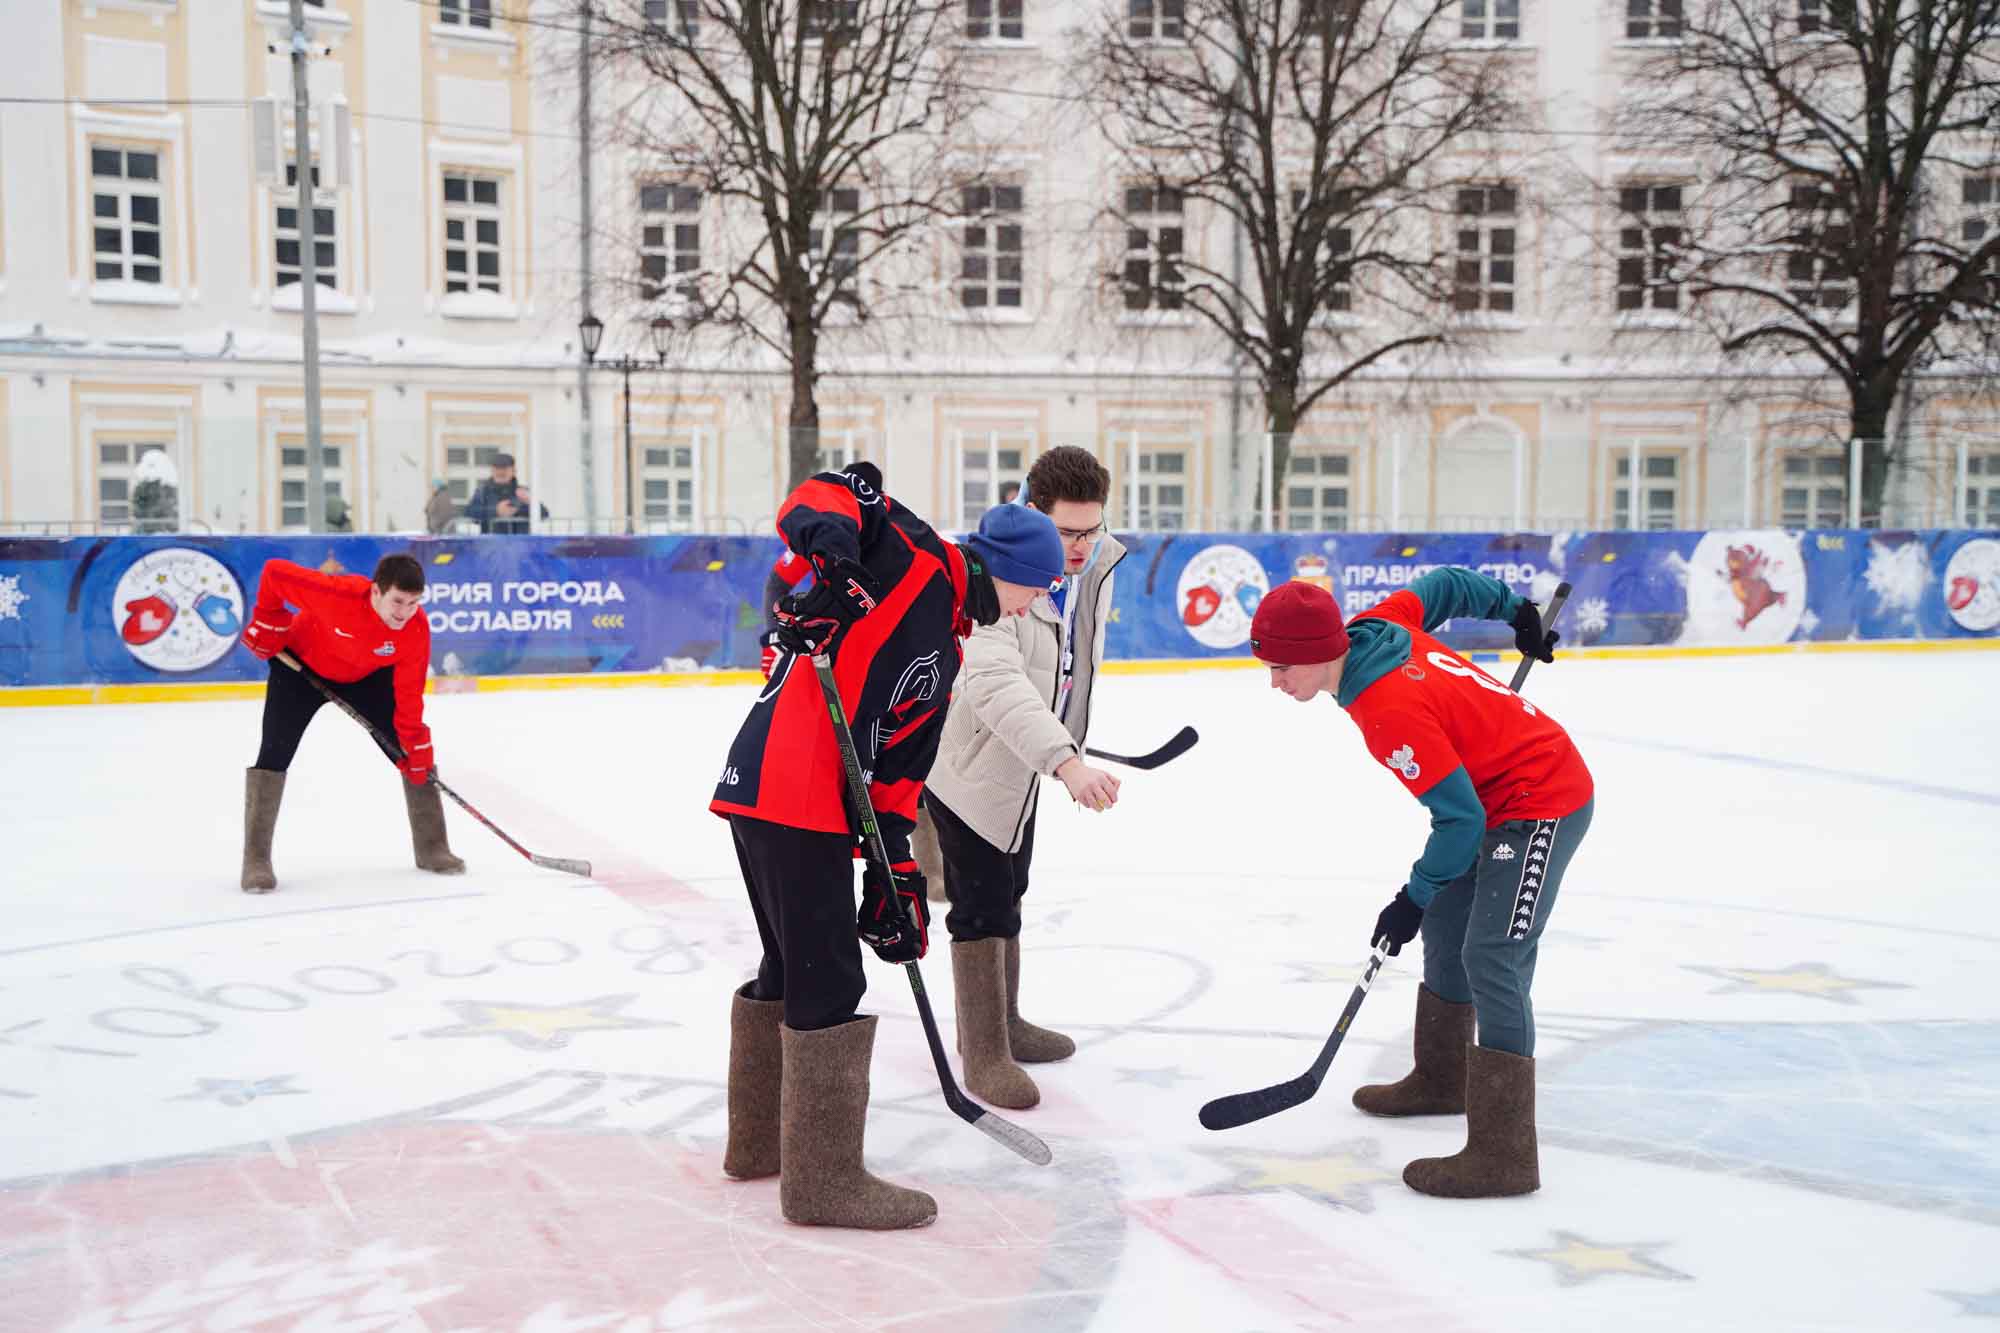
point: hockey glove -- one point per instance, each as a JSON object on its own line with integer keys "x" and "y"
{"x": 843, "y": 591}
{"x": 1529, "y": 636}
{"x": 767, "y": 655}
{"x": 895, "y": 916}
{"x": 267, "y": 631}
{"x": 1397, "y": 925}
{"x": 416, "y": 764}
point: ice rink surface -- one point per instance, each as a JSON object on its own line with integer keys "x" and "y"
{"x": 382, "y": 1100}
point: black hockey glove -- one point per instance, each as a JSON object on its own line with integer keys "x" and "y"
{"x": 1397, "y": 925}
{"x": 1529, "y": 636}
{"x": 895, "y": 916}
{"x": 843, "y": 591}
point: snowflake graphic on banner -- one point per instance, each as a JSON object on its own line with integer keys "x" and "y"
{"x": 11, "y": 597}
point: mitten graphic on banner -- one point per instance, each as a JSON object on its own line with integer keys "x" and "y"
{"x": 146, "y": 619}
{"x": 220, "y": 617}
{"x": 1202, "y": 603}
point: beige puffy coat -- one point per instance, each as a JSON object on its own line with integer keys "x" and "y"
{"x": 1002, "y": 733}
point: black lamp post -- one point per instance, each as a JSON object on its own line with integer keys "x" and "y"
{"x": 591, "y": 330}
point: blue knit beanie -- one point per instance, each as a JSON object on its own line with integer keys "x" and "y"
{"x": 1019, "y": 545}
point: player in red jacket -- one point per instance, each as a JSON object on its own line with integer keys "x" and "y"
{"x": 890, "y": 600}
{"x": 369, "y": 639}
{"x": 1509, "y": 799}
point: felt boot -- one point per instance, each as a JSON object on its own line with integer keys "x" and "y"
{"x": 756, "y": 1075}
{"x": 263, "y": 792}
{"x": 1031, "y": 1045}
{"x": 427, "y": 831}
{"x": 1437, "y": 1085}
{"x": 824, "y": 1112}
{"x": 1500, "y": 1155}
{"x": 980, "y": 990}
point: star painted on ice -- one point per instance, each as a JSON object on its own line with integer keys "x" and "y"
{"x": 1978, "y": 1304}
{"x": 542, "y": 1027}
{"x": 1159, "y": 1078}
{"x": 1577, "y": 1260}
{"x": 11, "y": 597}
{"x": 1342, "y": 1175}
{"x": 240, "y": 1091}
{"x": 1816, "y": 980}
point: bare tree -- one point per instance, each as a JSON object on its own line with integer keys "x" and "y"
{"x": 819, "y": 131}
{"x": 1332, "y": 134}
{"x": 1847, "y": 211}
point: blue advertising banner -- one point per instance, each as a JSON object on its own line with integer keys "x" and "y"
{"x": 144, "y": 609}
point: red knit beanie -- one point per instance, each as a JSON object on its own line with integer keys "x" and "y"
{"x": 1297, "y": 624}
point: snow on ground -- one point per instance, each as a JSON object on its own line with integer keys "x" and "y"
{"x": 378, "y": 1099}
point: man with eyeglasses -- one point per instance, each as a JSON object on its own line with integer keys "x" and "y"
{"x": 1019, "y": 714}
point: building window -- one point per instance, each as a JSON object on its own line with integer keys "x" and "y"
{"x": 1659, "y": 492}
{"x": 1485, "y": 276}
{"x": 1331, "y": 18}
{"x": 1814, "y": 494}
{"x": 1980, "y": 219}
{"x": 1335, "y": 279}
{"x": 1982, "y": 490}
{"x": 326, "y": 250}
{"x": 985, "y": 466}
{"x": 838, "y": 448}
{"x": 1649, "y": 228}
{"x": 466, "y": 464}
{"x": 1652, "y": 18}
{"x": 989, "y": 274}
{"x": 826, "y": 18}
{"x": 684, "y": 15}
{"x": 1154, "y": 234}
{"x": 466, "y": 13}
{"x": 471, "y": 233}
{"x": 1318, "y": 497}
{"x": 669, "y": 240}
{"x": 125, "y": 214}
{"x": 1816, "y": 269}
{"x": 1163, "y": 491}
{"x": 117, "y": 478}
{"x": 1156, "y": 20}
{"x": 993, "y": 20}
{"x": 292, "y": 479}
{"x": 1819, "y": 15}
{"x": 1490, "y": 20}
{"x": 836, "y": 244}
{"x": 666, "y": 481}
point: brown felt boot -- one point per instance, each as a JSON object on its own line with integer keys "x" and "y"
{"x": 756, "y": 1072}
{"x": 427, "y": 831}
{"x": 825, "y": 1111}
{"x": 263, "y": 792}
{"x": 930, "y": 857}
{"x": 980, "y": 989}
{"x": 1437, "y": 1085}
{"x": 1499, "y": 1156}
{"x": 1031, "y": 1045}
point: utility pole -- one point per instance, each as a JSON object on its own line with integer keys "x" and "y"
{"x": 308, "y": 271}
{"x": 588, "y": 446}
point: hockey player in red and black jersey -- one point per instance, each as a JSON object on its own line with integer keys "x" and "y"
{"x": 889, "y": 600}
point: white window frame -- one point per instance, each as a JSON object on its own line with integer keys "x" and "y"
{"x": 1330, "y": 469}
{"x": 1982, "y": 474}
{"x": 831, "y": 235}
{"x": 1153, "y": 480}
{"x": 678, "y": 247}
{"x": 821, "y": 17}
{"x": 671, "y": 460}
{"x": 325, "y": 203}
{"x": 1335, "y": 240}
{"x": 1491, "y": 294}
{"x": 122, "y": 471}
{"x": 1483, "y": 21}
{"x": 1640, "y": 244}
{"x": 339, "y": 464}
{"x": 1652, "y": 25}
{"x": 840, "y": 446}
{"x": 469, "y": 213}
{"x": 1979, "y": 216}
{"x": 993, "y": 210}
{"x": 1822, "y": 474}
{"x": 126, "y": 191}
{"x": 1002, "y": 456}
{"x": 1654, "y": 481}
{"x": 1822, "y": 220}
{"x": 1156, "y": 21}
{"x": 164, "y": 134}
{"x": 682, "y": 18}
{"x": 996, "y": 22}
{"x": 1156, "y": 237}
{"x": 481, "y": 14}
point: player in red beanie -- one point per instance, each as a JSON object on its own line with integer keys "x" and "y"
{"x": 1509, "y": 799}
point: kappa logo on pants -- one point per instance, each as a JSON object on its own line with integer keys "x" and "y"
{"x": 1534, "y": 868}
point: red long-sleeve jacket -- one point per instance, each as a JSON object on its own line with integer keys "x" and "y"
{"x": 894, "y": 666}
{"x": 338, "y": 634}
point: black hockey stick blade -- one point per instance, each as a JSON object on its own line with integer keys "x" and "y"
{"x": 1008, "y": 1135}
{"x": 1548, "y": 622}
{"x": 1243, "y": 1107}
{"x": 1182, "y": 742}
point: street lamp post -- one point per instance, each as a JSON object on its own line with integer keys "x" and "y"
{"x": 591, "y": 330}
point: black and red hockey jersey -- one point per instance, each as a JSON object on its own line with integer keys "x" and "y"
{"x": 895, "y": 668}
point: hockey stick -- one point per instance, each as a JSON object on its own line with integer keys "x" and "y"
{"x": 1182, "y": 742}
{"x": 1005, "y": 1133}
{"x": 1243, "y": 1107}
{"x": 389, "y": 747}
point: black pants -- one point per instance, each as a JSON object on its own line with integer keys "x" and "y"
{"x": 801, "y": 887}
{"x": 983, "y": 883}
{"x": 290, "y": 702}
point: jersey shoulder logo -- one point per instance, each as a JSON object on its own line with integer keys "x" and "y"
{"x": 1404, "y": 761}
{"x": 388, "y": 649}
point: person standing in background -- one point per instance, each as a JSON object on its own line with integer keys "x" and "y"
{"x": 439, "y": 511}
{"x": 502, "y": 504}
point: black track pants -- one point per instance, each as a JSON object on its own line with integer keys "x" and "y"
{"x": 983, "y": 883}
{"x": 801, "y": 886}
{"x": 290, "y": 702}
